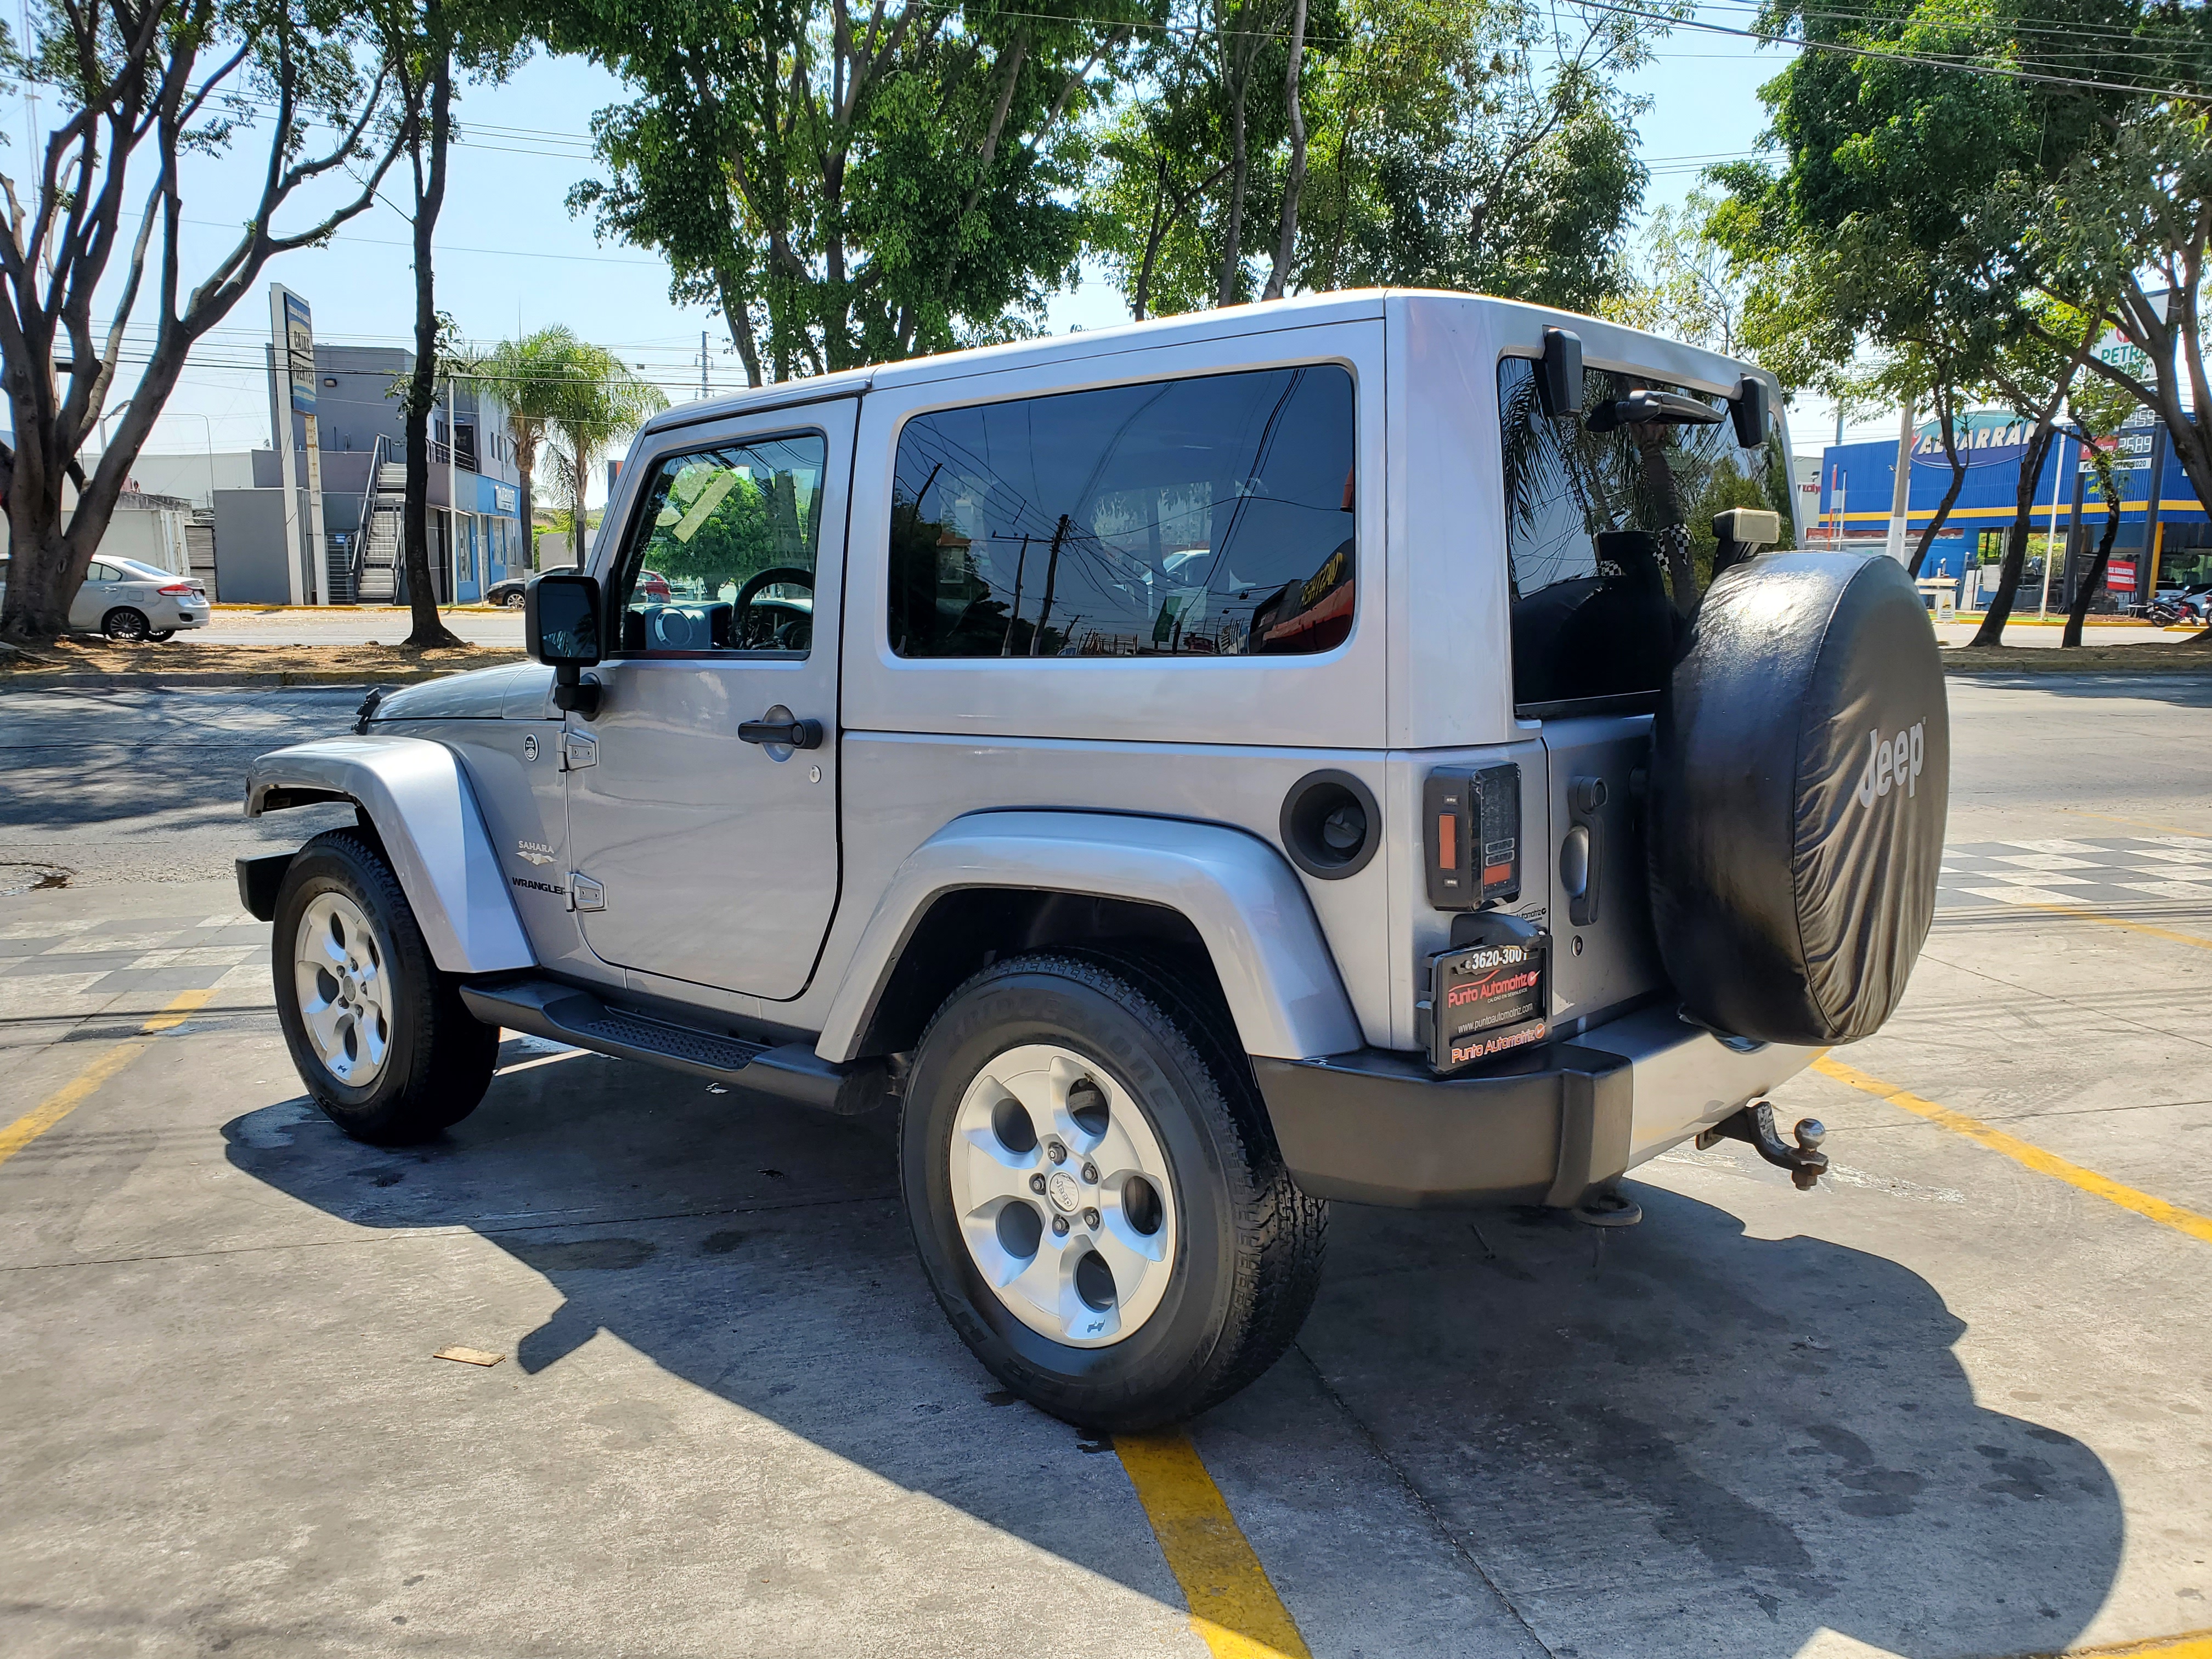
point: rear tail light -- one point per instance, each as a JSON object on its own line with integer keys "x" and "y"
{"x": 1473, "y": 836}
{"x": 178, "y": 588}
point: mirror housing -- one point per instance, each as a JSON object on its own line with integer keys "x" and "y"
{"x": 561, "y": 625}
{"x": 1559, "y": 384}
{"x": 1749, "y": 410}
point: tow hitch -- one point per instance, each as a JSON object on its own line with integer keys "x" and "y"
{"x": 1754, "y": 1124}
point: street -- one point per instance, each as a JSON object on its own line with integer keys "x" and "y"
{"x": 1956, "y": 1402}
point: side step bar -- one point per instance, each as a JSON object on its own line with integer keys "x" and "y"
{"x": 791, "y": 1072}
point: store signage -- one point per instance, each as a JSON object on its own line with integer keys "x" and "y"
{"x": 300, "y": 353}
{"x": 502, "y": 498}
{"x": 2120, "y": 575}
{"x": 1983, "y": 440}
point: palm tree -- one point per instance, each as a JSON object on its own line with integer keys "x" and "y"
{"x": 601, "y": 399}
{"x": 531, "y": 374}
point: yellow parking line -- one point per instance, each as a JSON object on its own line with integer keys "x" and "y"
{"x": 2196, "y": 1227}
{"x": 86, "y": 1084}
{"x": 2190, "y": 1645}
{"x": 1232, "y": 1604}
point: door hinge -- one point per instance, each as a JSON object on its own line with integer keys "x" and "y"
{"x": 578, "y": 751}
{"x": 584, "y": 893}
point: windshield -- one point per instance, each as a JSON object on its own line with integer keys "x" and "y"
{"x": 1608, "y": 528}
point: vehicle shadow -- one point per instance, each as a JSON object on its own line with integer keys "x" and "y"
{"x": 1677, "y": 1438}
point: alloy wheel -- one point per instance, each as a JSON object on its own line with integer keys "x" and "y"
{"x": 1063, "y": 1196}
{"x": 342, "y": 976}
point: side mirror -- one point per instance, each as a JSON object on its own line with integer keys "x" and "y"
{"x": 1559, "y": 386}
{"x": 561, "y": 626}
{"x": 1748, "y": 409}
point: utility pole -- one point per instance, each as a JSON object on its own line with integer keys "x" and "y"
{"x": 2147, "y": 565}
{"x": 704, "y": 392}
{"x": 1051, "y": 573}
{"x": 2050, "y": 529}
{"x": 1900, "y": 495}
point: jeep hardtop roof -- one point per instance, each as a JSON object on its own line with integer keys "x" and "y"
{"x": 1604, "y": 345}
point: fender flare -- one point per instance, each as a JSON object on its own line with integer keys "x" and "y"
{"x": 415, "y": 793}
{"x": 1238, "y": 892}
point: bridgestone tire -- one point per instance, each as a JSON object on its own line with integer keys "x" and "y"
{"x": 1801, "y": 775}
{"x": 440, "y": 1057}
{"x": 1250, "y": 1244}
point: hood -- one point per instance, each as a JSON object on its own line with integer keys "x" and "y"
{"x": 482, "y": 694}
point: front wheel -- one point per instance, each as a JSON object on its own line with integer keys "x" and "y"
{"x": 1097, "y": 1196}
{"x": 379, "y": 1037}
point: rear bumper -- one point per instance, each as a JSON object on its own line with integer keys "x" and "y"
{"x": 1546, "y": 1127}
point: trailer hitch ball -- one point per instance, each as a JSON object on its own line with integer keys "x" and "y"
{"x": 1754, "y": 1126}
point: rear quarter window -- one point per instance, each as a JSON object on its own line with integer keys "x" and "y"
{"x": 1205, "y": 517}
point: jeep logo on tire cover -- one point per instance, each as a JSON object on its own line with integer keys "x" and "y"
{"x": 1893, "y": 763}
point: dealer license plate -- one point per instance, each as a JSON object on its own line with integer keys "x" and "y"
{"x": 1484, "y": 999}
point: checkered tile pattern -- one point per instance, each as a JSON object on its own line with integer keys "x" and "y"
{"x": 2094, "y": 872}
{"x": 56, "y": 967}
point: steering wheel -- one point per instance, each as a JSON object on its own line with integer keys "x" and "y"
{"x": 742, "y": 606}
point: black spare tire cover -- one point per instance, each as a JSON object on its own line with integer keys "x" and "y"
{"x": 1800, "y": 774}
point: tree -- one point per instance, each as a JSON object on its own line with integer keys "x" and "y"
{"x": 1686, "y": 286}
{"x": 1478, "y": 144}
{"x": 2100, "y": 413}
{"x": 2034, "y": 379}
{"x": 851, "y": 189}
{"x": 143, "y": 83}
{"x": 598, "y": 400}
{"x": 531, "y": 373}
{"x": 2121, "y": 231}
{"x": 1967, "y": 161}
{"x": 424, "y": 41}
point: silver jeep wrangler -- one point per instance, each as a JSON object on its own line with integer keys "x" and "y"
{"x": 1193, "y": 772}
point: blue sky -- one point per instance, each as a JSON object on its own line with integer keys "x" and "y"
{"x": 511, "y": 257}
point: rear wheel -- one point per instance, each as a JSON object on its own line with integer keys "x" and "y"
{"x": 125, "y": 624}
{"x": 162, "y": 635}
{"x": 1096, "y": 1194}
{"x": 379, "y": 1037}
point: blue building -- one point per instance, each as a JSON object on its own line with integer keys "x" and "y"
{"x": 1856, "y": 492}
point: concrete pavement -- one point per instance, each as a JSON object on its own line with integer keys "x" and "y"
{"x": 1946, "y": 1406}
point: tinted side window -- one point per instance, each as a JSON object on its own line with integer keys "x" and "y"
{"x": 1198, "y": 517}
{"x": 1590, "y": 518}
{"x": 721, "y": 558}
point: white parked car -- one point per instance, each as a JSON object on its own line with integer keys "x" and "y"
{"x": 127, "y": 600}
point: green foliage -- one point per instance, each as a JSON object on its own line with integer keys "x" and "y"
{"x": 1475, "y": 144}
{"x": 594, "y": 401}
{"x": 846, "y": 191}
{"x": 1685, "y": 286}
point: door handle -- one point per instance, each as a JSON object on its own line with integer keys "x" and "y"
{"x": 780, "y": 726}
{"x": 1585, "y": 845}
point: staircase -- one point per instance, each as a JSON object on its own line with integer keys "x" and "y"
{"x": 376, "y": 551}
